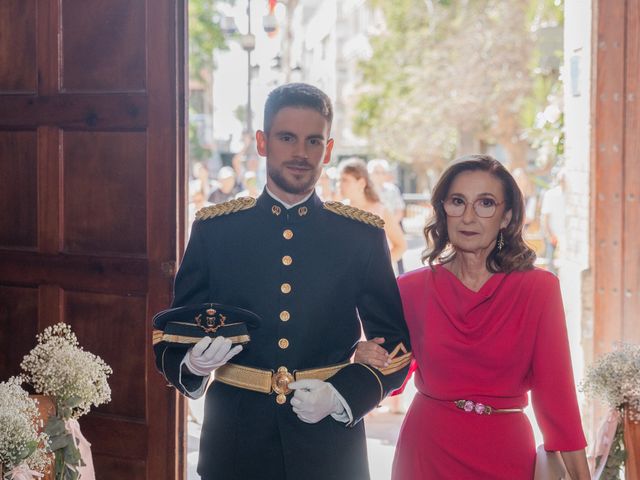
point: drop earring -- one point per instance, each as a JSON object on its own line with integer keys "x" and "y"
{"x": 500, "y": 241}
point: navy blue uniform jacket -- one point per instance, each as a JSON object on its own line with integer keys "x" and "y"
{"x": 341, "y": 278}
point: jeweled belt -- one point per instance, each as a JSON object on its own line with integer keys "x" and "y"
{"x": 482, "y": 409}
{"x": 269, "y": 381}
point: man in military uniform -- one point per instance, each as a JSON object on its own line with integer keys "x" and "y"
{"x": 288, "y": 404}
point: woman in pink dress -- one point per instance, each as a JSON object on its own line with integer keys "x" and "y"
{"x": 486, "y": 328}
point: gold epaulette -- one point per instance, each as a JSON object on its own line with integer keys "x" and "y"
{"x": 232, "y": 206}
{"x": 354, "y": 213}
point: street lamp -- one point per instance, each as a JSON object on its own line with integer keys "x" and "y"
{"x": 248, "y": 42}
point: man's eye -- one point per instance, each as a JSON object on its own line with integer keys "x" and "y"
{"x": 286, "y": 138}
{"x": 315, "y": 141}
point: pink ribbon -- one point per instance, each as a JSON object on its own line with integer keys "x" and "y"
{"x": 23, "y": 472}
{"x": 86, "y": 471}
{"x": 602, "y": 445}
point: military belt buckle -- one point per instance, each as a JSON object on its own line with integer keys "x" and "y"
{"x": 280, "y": 381}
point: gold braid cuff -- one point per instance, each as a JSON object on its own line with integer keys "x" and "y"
{"x": 354, "y": 213}
{"x": 398, "y": 359}
{"x": 232, "y": 206}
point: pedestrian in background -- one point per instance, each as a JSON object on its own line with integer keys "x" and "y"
{"x": 358, "y": 189}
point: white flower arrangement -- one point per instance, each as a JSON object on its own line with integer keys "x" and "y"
{"x": 76, "y": 380}
{"x": 20, "y": 442}
{"x": 57, "y": 366}
{"x": 615, "y": 379}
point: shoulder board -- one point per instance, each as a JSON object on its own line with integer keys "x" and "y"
{"x": 354, "y": 213}
{"x": 225, "y": 208}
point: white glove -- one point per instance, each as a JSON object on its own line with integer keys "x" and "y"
{"x": 207, "y": 355}
{"x": 314, "y": 399}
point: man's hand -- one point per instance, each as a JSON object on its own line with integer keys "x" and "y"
{"x": 314, "y": 399}
{"x": 207, "y": 355}
{"x": 372, "y": 353}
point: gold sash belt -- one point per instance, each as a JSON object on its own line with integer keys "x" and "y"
{"x": 268, "y": 381}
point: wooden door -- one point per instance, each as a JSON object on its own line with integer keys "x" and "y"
{"x": 91, "y": 142}
{"x": 616, "y": 173}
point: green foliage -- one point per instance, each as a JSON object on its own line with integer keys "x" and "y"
{"x": 617, "y": 456}
{"x": 443, "y": 68}
{"x": 205, "y": 36}
{"x": 67, "y": 455}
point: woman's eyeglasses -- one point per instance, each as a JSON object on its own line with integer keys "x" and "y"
{"x": 484, "y": 207}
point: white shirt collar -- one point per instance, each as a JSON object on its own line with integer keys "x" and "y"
{"x": 287, "y": 205}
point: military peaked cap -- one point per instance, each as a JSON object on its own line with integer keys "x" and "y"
{"x": 189, "y": 324}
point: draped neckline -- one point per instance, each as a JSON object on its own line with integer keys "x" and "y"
{"x": 487, "y": 288}
{"x": 471, "y": 313}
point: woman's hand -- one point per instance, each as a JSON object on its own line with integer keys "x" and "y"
{"x": 576, "y": 463}
{"x": 372, "y": 353}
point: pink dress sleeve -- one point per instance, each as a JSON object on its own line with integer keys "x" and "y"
{"x": 553, "y": 392}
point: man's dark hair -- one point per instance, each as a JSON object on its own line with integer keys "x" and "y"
{"x": 299, "y": 95}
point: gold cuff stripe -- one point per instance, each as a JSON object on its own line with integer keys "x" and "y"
{"x": 394, "y": 352}
{"x": 259, "y": 380}
{"x": 354, "y": 213}
{"x": 406, "y": 358}
{"x": 378, "y": 379}
{"x": 186, "y": 340}
{"x": 225, "y": 208}
{"x": 397, "y": 366}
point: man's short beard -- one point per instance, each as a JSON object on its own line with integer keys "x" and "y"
{"x": 294, "y": 189}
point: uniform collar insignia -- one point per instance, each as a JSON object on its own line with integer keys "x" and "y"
{"x": 299, "y": 212}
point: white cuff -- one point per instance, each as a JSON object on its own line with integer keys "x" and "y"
{"x": 345, "y": 416}
{"x": 195, "y": 393}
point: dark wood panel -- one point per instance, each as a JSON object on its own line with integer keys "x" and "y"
{"x": 75, "y": 272}
{"x": 113, "y": 437}
{"x": 114, "y": 66}
{"x": 166, "y": 151}
{"x": 18, "y": 46}
{"x": 103, "y": 44}
{"x": 78, "y": 112}
{"x": 19, "y": 324}
{"x": 119, "y": 468}
{"x": 18, "y": 189}
{"x": 114, "y": 328}
{"x": 608, "y": 184}
{"x": 631, "y": 252}
{"x": 104, "y": 192}
{"x": 49, "y": 190}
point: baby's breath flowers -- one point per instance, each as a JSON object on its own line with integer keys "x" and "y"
{"x": 20, "y": 442}
{"x": 57, "y": 366}
{"x": 615, "y": 379}
{"x": 76, "y": 380}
